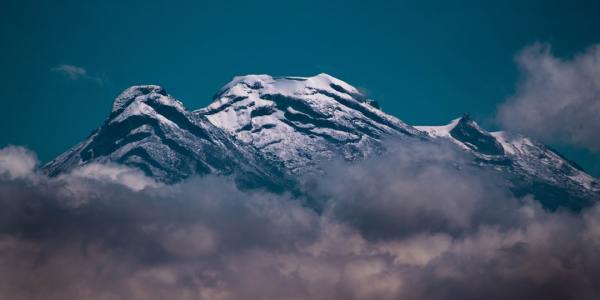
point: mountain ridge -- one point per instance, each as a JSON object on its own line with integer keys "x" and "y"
{"x": 297, "y": 118}
{"x": 152, "y": 131}
{"x": 267, "y": 131}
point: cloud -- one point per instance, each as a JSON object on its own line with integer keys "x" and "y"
{"x": 417, "y": 223}
{"x": 76, "y": 73}
{"x": 113, "y": 173}
{"x": 17, "y": 162}
{"x": 73, "y": 72}
{"x": 558, "y": 100}
{"x": 418, "y": 188}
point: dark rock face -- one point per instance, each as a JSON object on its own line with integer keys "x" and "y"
{"x": 468, "y": 132}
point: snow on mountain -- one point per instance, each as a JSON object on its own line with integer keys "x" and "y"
{"x": 541, "y": 161}
{"x": 532, "y": 167}
{"x": 303, "y": 120}
{"x": 266, "y": 130}
{"x": 152, "y": 131}
{"x": 467, "y": 134}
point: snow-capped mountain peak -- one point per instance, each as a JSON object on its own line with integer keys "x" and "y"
{"x": 150, "y": 130}
{"x": 144, "y": 93}
{"x": 291, "y": 85}
{"x": 468, "y": 134}
{"x": 147, "y": 100}
{"x": 265, "y": 130}
{"x": 301, "y": 120}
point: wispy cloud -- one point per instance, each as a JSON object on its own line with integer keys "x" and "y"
{"x": 558, "y": 100}
{"x": 76, "y": 73}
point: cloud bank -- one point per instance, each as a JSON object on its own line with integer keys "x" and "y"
{"x": 417, "y": 223}
{"x": 558, "y": 100}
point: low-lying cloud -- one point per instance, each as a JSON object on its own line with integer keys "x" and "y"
{"x": 417, "y": 188}
{"x": 417, "y": 223}
{"x": 558, "y": 100}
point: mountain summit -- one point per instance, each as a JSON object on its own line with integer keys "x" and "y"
{"x": 302, "y": 120}
{"x": 150, "y": 130}
{"x": 266, "y": 131}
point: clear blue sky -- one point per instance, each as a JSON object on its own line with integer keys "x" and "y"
{"x": 426, "y": 62}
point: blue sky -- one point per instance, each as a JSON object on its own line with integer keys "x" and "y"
{"x": 426, "y": 62}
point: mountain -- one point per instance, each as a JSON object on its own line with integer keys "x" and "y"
{"x": 150, "y": 130}
{"x": 300, "y": 121}
{"x": 267, "y": 131}
{"x": 531, "y": 167}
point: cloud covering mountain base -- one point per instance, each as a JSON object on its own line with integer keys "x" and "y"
{"x": 415, "y": 223}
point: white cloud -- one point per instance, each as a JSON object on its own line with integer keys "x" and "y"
{"x": 113, "y": 173}
{"x": 17, "y": 162}
{"x": 558, "y": 100}
{"x": 76, "y": 73}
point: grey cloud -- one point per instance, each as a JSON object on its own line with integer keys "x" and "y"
{"x": 558, "y": 100}
{"x": 417, "y": 188}
{"x": 76, "y": 73}
{"x": 418, "y": 223}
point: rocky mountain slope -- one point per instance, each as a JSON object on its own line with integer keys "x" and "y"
{"x": 531, "y": 167}
{"x": 301, "y": 121}
{"x": 266, "y": 131}
{"x": 150, "y": 130}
